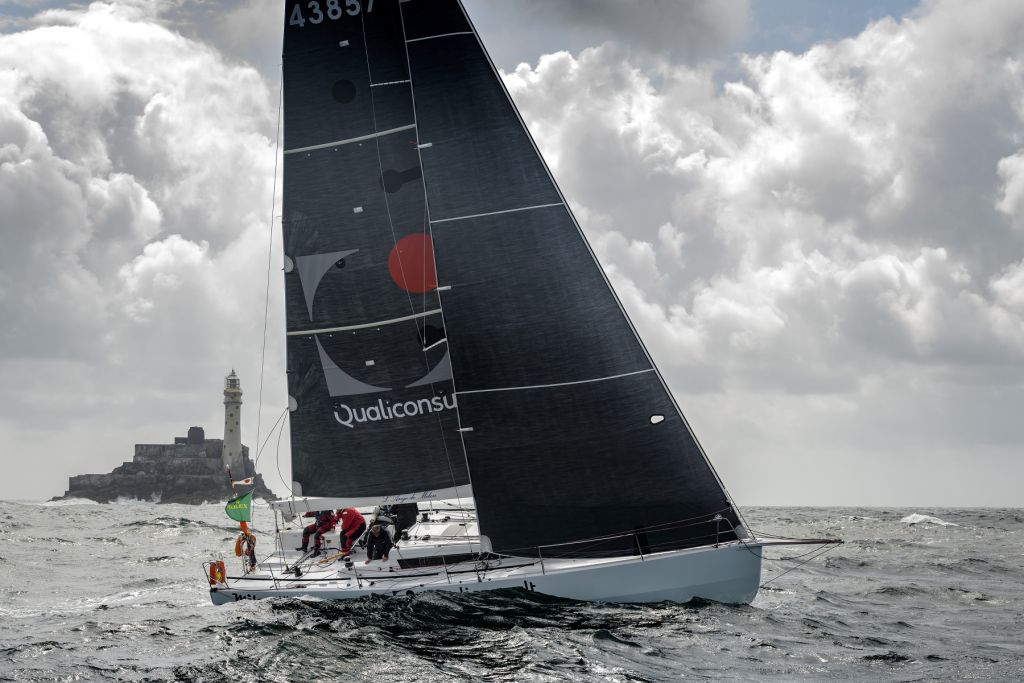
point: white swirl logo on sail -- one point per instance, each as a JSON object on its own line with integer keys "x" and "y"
{"x": 410, "y": 265}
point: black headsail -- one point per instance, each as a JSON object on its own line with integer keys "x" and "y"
{"x": 567, "y": 428}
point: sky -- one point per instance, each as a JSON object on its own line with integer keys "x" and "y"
{"x": 812, "y": 211}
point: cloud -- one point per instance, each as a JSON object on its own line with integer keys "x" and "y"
{"x": 822, "y": 250}
{"x": 841, "y": 226}
{"x": 135, "y": 188}
{"x": 1011, "y": 200}
{"x": 684, "y": 29}
{"x": 650, "y": 30}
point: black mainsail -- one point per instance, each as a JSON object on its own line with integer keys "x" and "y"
{"x": 447, "y": 319}
{"x": 369, "y": 374}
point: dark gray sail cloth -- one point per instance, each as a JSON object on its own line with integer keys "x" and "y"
{"x": 373, "y": 407}
{"x": 555, "y": 392}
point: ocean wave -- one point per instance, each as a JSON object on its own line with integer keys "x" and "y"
{"x": 106, "y": 540}
{"x": 173, "y": 523}
{"x": 901, "y": 590}
{"x": 967, "y": 594}
{"x": 66, "y": 502}
{"x": 879, "y": 607}
{"x": 916, "y": 518}
{"x": 840, "y": 562}
{"x": 125, "y": 500}
{"x": 889, "y": 657}
{"x": 43, "y": 541}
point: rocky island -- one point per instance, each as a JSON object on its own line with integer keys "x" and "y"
{"x": 192, "y": 470}
{"x": 189, "y": 471}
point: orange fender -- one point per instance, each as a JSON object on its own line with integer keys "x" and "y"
{"x": 238, "y": 546}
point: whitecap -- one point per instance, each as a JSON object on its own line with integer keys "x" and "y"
{"x": 68, "y": 501}
{"x": 125, "y": 500}
{"x": 925, "y": 519}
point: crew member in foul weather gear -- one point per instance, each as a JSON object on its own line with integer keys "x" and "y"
{"x": 352, "y": 527}
{"x": 405, "y": 516}
{"x": 378, "y": 544}
{"x": 324, "y": 522}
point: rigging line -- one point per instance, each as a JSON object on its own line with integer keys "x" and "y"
{"x": 426, "y": 209}
{"x": 704, "y": 518}
{"x": 822, "y": 551}
{"x": 269, "y": 434}
{"x": 423, "y": 260}
{"x": 278, "y": 459}
{"x": 765, "y": 534}
{"x": 270, "y": 252}
{"x": 394, "y": 237}
{"x": 380, "y": 168}
{"x": 794, "y": 558}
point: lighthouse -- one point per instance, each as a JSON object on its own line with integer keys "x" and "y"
{"x": 231, "y": 456}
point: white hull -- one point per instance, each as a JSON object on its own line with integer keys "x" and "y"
{"x": 728, "y": 573}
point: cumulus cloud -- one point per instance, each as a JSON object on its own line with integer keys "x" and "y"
{"x": 1011, "y": 200}
{"x": 650, "y": 30}
{"x": 823, "y": 250}
{"x": 684, "y": 29}
{"x": 135, "y": 188}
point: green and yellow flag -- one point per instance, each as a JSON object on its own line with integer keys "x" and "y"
{"x": 240, "y": 509}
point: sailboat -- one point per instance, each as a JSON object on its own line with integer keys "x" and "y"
{"x": 453, "y": 342}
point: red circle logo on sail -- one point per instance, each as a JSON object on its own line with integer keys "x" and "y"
{"x": 411, "y": 264}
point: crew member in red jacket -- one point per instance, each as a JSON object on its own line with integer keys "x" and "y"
{"x": 352, "y": 527}
{"x": 324, "y": 522}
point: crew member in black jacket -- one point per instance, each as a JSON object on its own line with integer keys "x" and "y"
{"x": 378, "y": 544}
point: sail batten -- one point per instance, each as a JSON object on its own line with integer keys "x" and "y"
{"x": 440, "y": 35}
{"x": 494, "y": 213}
{"x": 361, "y": 138}
{"x": 551, "y": 386}
{"x": 363, "y": 326}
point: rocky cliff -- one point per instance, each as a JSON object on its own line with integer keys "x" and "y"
{"x": 188, "y": 471}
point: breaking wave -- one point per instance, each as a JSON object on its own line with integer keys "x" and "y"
{"x": 925, "y": 519}
{"x": 66, "y": 502}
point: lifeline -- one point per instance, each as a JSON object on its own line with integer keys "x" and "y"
{"x": 387, "y": 411}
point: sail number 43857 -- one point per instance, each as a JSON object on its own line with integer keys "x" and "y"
{"x": 331, "y": 9}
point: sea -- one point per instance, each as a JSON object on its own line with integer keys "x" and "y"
{"x": 116, "y": 592}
